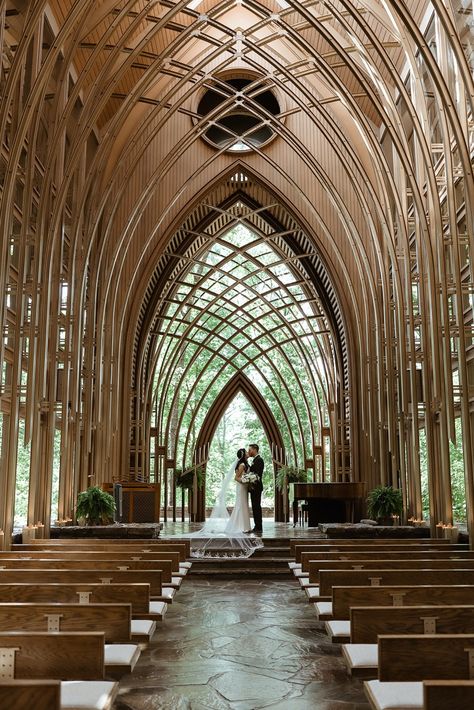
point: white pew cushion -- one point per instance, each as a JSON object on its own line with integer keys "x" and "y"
{"x": 395, "y": 696}
{"x": 186, "y": 565}
{"x": 300, "y": 574}
{"x": 168, "y": 592}
{"x": 294, "y": 565}
{"x": 143, "y": 627}
{"x": 304, "y": 581}
{"x": 176, "y": 581}
{"x": 121, "y": 654}
{"x": 323, "y": 608}
{"x": 87, "y": 694}
{"x": 361, "y": 655}
{"x": 158, "y": 608}
{"x": 338, "y": 628}
{"x": 312, "y": 592}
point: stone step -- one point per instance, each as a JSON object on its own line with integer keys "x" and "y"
{"x": 254, "y": 564}
{"x": 239, "y": 572}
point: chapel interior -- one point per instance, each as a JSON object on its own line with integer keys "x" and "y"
{"x": 227, "y": 221}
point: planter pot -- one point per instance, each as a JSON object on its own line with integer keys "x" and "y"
{"x": 386, "y": 522}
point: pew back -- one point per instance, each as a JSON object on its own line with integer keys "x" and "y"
{"x": 112, "y": 619}
{"x": 111, "y": 556}
{"x": 298, "y": 542}
{"x": 425, "y": 657}
{"x": 164, "y": 566}
{"x": 342, "y": 549}
{"x": 26, "y": 694}
{"x": 316, "y": 567}
{"x": 181, "y": 545}
{"x": 307, "y": 557}
{"x": 367, "y": 623}
{"x": 386, "y": 577}
{"x": 343, "y": 598}
{"x": 138, "y": 595}
{"x": 448, "y": 694}
{"x": 78, "y": 576}
{"x": 61, "y": 656}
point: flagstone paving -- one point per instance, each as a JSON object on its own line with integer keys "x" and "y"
{"x": 240, "y": 645}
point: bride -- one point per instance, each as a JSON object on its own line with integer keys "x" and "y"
{"x": 223, "y": 535}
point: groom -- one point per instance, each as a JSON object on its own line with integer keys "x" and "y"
{"x": 256, "y": 492}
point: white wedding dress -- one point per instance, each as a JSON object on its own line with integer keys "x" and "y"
{"x": 223, "y": 535}
{"x": 239, "y": 521}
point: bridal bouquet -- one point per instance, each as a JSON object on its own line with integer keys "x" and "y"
{"x": 249, "y": 479}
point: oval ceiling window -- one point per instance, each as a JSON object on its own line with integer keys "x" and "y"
{"x": 243, "y": 123}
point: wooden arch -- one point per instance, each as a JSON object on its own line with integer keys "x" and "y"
{"x": 240, "y": 383}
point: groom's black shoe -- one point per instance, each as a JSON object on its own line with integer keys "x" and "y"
{"x": 256, "y": 530}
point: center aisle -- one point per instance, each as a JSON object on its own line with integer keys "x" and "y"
{"x": 240, "y": 645}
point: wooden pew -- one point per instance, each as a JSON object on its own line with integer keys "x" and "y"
{"x": 406, "y": 661}
{"x": 389, "y": 547}
{"x": 77, "y": 657}
{"x": 386, "y": 577}
{"x": 78, "y": 576}
{"x": 367, "y": 623}
{"x": 26, "y": 694}
{"x": 114, "y": 620}
{"x": 316, "y": 567}
{"x": 136, "y": 594}
{"x": 343, "y": 598}
{"x": 307, "y": 557}
{"x": 163, "y": 566}
{"x": 361, "y": 654}
{"x": 100, "y": 543}
{"x": 448, "y": 694}
{"x": 299, "y": 542}
{"x": 110, "y": 555}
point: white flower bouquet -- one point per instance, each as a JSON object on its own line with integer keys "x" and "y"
{"x": 249, "y": 479}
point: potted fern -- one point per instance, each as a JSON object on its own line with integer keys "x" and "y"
{"x": 185, "y": 479}
{"x": 383, "y": 502}
{"x": 95, "y": 507}
{"x": 289, "y": 474}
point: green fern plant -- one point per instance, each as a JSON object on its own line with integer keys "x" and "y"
{"x": 383, "y": 502}
{"x": 185, "y": 479}
{"x": 289, "y": 474}
{"x": 95, "y": 506}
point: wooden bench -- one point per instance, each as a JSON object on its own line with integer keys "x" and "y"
{"x": 183, "y": 545}
{"x": 77, "y": 657}
{"x": 115, "y": 620}
{"x": 136, "y": 594}
{"x": 299, "y": 542}
{"x": 406, "y": 661}
{"x": 26, "y": 694}
{"x": 316, "y": 567}
{"x": 110, "y": 555}
{"x": 361, "y": 653}
{"x": 367, "y": 622}
{"x": 385, "y": 577}
{"x": 163, "y": 566}
{"x": 97, "y": 576}
{"x": 448, "y": 694}
{"x": 308, "y": 557}
{"x": 343, "y": 598}
{"x": 388, "y": 547}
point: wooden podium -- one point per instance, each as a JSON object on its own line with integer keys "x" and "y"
{"x": 140, "y": 501}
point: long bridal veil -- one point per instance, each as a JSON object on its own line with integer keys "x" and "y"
{"x": 217, "y": 538}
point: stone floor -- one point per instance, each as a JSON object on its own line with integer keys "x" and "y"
{"x": 236, "y": 645}
{"x": 270, "y": 529}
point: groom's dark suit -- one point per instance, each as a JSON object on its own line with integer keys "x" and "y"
{"x": 256, "y": 493}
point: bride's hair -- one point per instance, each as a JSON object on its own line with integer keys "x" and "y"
{"x": 241, "y": 459}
